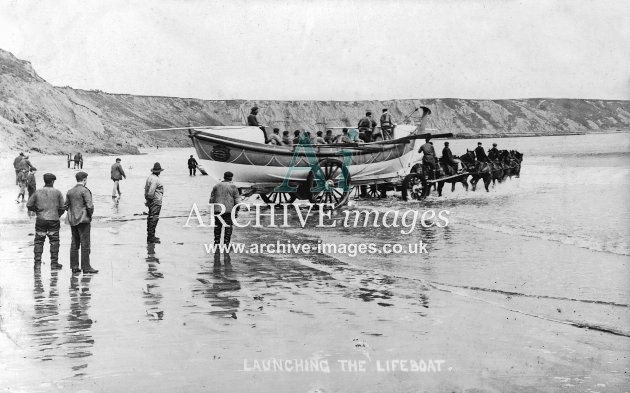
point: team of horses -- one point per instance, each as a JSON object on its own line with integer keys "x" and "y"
{"x": 506, "y": 165}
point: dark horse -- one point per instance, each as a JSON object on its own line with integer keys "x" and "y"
{"x": 477, "y": 169}
{"x": 517, "y": 159}
{"x": 445, "y": 170}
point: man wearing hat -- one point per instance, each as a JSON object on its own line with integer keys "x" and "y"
{"x": 366, "y": 127}
{"x": 47, "y": 203}
{"x": 192, "y": 166}
{"x": 16, "y": 166}
{"x": 80, "y": 209}
{"x": 153, "y": 192}
{"x": 117, "y": 174}
{"x": 493, "y": 154}
{"x": 428, "y": 158}
{"x": 480, "y": 153}
{"x": 25, "y": 164}
{"x": 224, "y": 193}
{"x": 387, "y": 124}
{"x": 448, "y": 159}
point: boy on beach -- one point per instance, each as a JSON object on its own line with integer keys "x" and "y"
{"x": 21, "y": 180}
{"x": 31, "y": 183}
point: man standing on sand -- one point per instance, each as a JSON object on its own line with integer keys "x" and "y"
{"x": 25, "y": 164}
{"x": 192, "y": 166}
{"x": 226, "y": 194}
{"x": 153, "y": 193}
{"x": 16, "y": 165}
{"x": 80, "y": 209}
{"x": 117, "y": 174}
{"x": 47, "y": 202}
{"x": 31, "y": 182}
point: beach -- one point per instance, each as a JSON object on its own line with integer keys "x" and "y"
{"x": 525, "y": 289}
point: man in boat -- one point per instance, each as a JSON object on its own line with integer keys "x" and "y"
{"x": 47, "y": 203}
{"x": 344, "y": 136}
{"x": 153, "y": 194}
{"x": 366, "y": 127}
{"x": 448, "y": 159}
{"x": 226, "y": 194}
{"x": 275, "y": 138}
{"x": 329, "y": 138}
{"x": 252, "y": 120}
{"x": 428, "y": 158}
{"x": 286, "y": 138}
{"x": 480, "y": 153}
{"x": 319, "y": 139}
{"x": 192, "y": 166}
{"x": 387, "y": 125}
{"x": 493, "y": 154}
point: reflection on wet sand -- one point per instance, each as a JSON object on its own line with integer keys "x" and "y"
{"x": 216, "y": 285}
{"x": 152, "y": 294}
{"x": 78, "y": 337}
{"x": 46, "y": 316}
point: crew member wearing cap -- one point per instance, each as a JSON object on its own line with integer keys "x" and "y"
{"x": 25, "y": 165}
{"x": 493, "y": 154}
{"x": 153, "y": 193}
{"x": 448, "y": 159}
{"x": 117, "y": 174}
{"x": 428, "y": 158}
{"x": 80, "y": 209}
{"x": 224, "y": 193}
{"x": 47, "y": 203}
{"x": 252, "y": 120}
{"x": 192, "y": 166}
{"x": 366, "y": 127}
{"x": 387, "y": 124}
{"x": 480, "y": 153}
{"x": 16, "y": 166}
{"x": 275, "y": 138}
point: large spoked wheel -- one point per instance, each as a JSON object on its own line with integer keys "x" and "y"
{"x": 333, "y": 185}
{"x": 277, "y": 198}
{"x": 413, "y": 187}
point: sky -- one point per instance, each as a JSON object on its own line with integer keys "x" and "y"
{"x": 327, "y": 50}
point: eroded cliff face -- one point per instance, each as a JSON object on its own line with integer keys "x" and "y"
{"x": 35, "y": 115}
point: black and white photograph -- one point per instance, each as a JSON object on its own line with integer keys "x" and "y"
{"x": 315, "y": 196}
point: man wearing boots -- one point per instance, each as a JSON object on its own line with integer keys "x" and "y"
{"x": 47, "y": 203}
{"x": 153, "y": 192}
{"x": 224, "y": 193}
{"x": 80, "y": 209}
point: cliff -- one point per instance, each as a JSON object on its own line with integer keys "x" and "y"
{"x": 34, "y": 115}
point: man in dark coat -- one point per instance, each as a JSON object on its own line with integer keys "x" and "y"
{"x": 153, "y": 195}
{"x": 428, "y": 158}
{"x": 80, "y": 208}
{"x": 366, "y": 127}
{"x": 47, "y": 203}
{"x": 226, "y": 194}
{"x": 448, "y": 159}
{"x": 480, "y": 153}
{"x": 252, "y": 120}
{"x": 387, "y": 125}
{"x": 192, "y": 166}
{"x": 493, "y": 154}
{"x": 117, "y": 174}
{"x": 16, "y": 165}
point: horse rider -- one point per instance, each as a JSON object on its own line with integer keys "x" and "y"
{"x": 480, "y": 153}
{"x": 493, "y": 154}
{"x": 366, "y": 127}
{"x": 387, "y": 125}
{"x": 428, "y": 158}
{"x": 448, "y": 159}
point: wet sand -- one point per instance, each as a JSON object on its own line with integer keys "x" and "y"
{"x": 166, "y": 318}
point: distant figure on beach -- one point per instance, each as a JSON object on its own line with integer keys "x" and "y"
{"x": 117, "y": 174}
{"x": 16, "y": 166}
{"x": 224, "y": 193}
{"x": 387, "y": 124}
{"x": 493, "y": 154}
{"x": 78, "y": 161}
{"x": 25, "y": 164}
{"x": 480, "y": 153}
{"x": 153, "y": 193}
{"x": 192, "y": 166}
{"x": 286, "y": 138}
{"x": 275, "y": 138}
{"x": 366, "y": 127}
{"x": 48, "y": 204}
{"x": 80, "y": 208}
{"x": 31, "y": 182}
{"x": 21, "y": 179}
